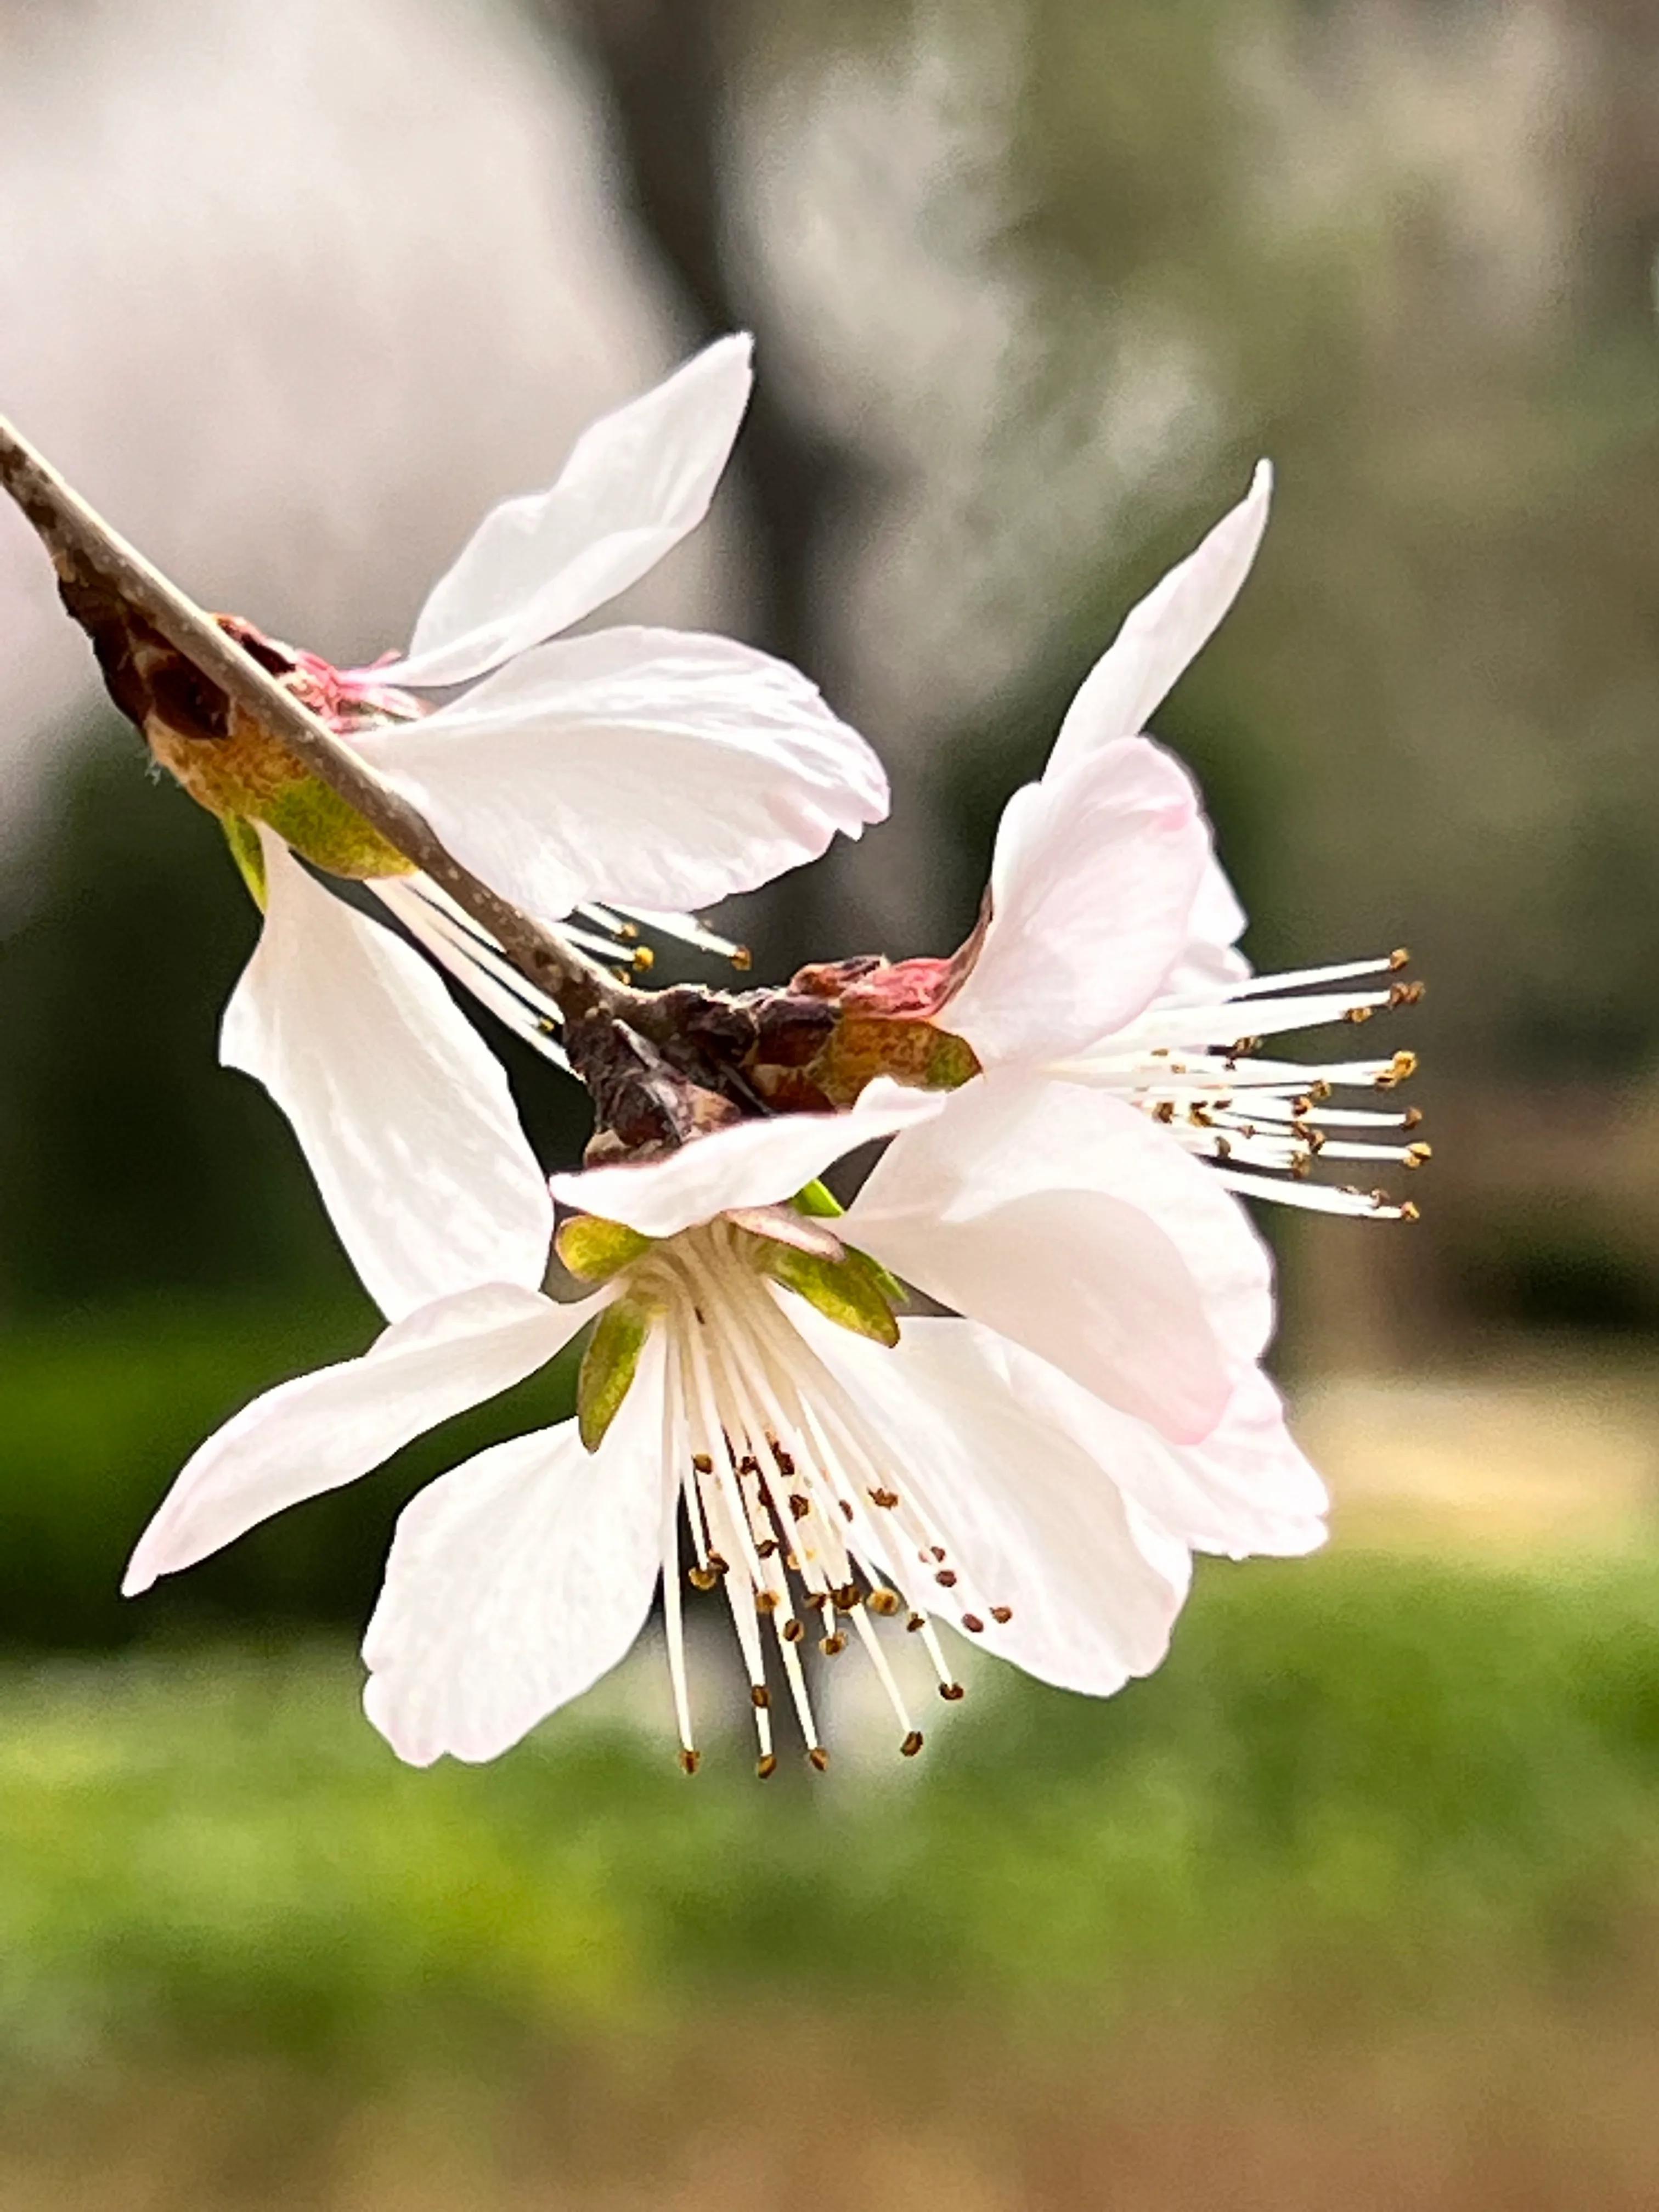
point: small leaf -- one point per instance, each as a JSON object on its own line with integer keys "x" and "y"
{"x": 846, "y": 1291}
{"x": 596, "y": 1249}
{"x": 609, "y": 1366}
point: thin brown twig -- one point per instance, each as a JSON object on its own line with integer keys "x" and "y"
{"x": 81, "y": 541}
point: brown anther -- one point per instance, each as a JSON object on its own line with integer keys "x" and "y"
{"x": 951, "y": 1692}
{"x": 1301, "y": 1106}
{"x": 1406, "y": 994}
{"x": 760, "y": 1696}
{"x": 799, "y": 1506}
{"x": 1320, "y": 1091}
{"x": 1408, "y": 1211}
{"x": 911, "y": 1745}
{"x": 1302, "y": 1166}
{"x": 847, "y": 1598}
{"x": 742, "y": 958}
{"x": 946, "y": 1577}
{"x": 792, "y": 1560}
{"x": 885, "y": 1499}
{"x": 973, "y": 1624}
{"x": 1357, "y": 1014}
{"x": 1224, "y": 1150}
{"x": 916, "y": 1621}
{"x": 884, "y": 1601}
{"x": 749, "y": 1464}
{"x": 1002, "y": 1614}
{"x": 1412, "y": 1118}
{"x": 690, "y": 1761}
{"x": 766, "y": 1548}
{"x": 817, "y": 1758}
{"x": 1200, "y": 1116}
{"x": 702, "y": 1463}
{"x": 703, "y": 1578}
{"x": 785, "y": 1463}
{"x": 818, "y": 1600}
{"x": 628, "y": 930}
{"x": 1398, "y": 958}
{"x": 792, "y": 1631}
{"x": 1240, "y": 1047}
{"x": 832, "y": 1646}
{"x": 766, "y": 1600}
{"x": 1164, "y": 1111}
{"x": 846, "y": 1505}
{"x": 766, "y": 1765}
{"x": 1418, "y": 1155}
{"x": 937, "y": 1551}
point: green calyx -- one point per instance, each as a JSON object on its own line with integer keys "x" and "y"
{"x": 248, "y": 853}
{"x": 852, "y": 1291}
{"x": 819, "y": 1202}
{"x": 608, "y": 1365}
{"x": 328, "y": 832}
{"x": 596, "y": 1249}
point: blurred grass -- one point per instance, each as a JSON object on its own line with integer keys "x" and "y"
{"x": 1364, "y": 1780}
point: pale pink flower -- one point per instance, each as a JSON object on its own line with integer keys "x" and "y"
{"x": 1029, "y": 1472}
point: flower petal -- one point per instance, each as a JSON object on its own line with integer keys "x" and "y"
{"x": 1245, "y": 1490}
{"x": 1073, "y": 1224}
{"x": 402, "y": 1111}
{"x": 748, "y": 1164}
{"x": 1025, "y": 1508}
{"x": 1210, "y": 959}
{"x": 1166, "y": 631}
{"x": 322, "y": 1430}
{"x": 518, "y": 1580}
{"x": 1093, "y": 886}
{"x": 637, "y": 482}
{"x": 644, "y": 767}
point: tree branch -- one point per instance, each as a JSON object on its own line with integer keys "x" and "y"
{"x": 84, "y": 548}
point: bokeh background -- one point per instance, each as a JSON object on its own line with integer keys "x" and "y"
{"x": 1358, "y": 1901}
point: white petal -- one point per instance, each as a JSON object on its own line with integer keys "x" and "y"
{"x": 643, "y": 768}
{"x": 325, "y": 1430}
{"x": 637, "y": 482}
{"x": 1168, "y": 630}
{"x": 1245, "y": 1490}
{"x": 402, "y": 1111}
{"x": 518, "y": 1580}
{"x": 1035, "y": 1524}
{"x": 751, "y": 1164}
{"x": 1093, "y": 886}
{"x": 1210, "y": 959}
{"x": 1072, "y": 1223}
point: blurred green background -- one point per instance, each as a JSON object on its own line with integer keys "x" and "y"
{"x": 1357, "y": 1900}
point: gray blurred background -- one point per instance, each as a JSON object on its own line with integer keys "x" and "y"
{"x": 294, "y": 293}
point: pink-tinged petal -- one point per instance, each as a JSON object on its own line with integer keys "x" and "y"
{"x": 751, "y": 1164}
{"x": 323, "y": 1431}
{"x": 1074, "y": 1226}
{"x": 637, "y": 482}
{"x": 1022, "y": 1508}
{"x": 403, "y": 1113}
{"x": 1246, "y": 1490}
{"x": 1093, "y": 885}
{"x": 1210, "y": 960}
{"x": 643, "y": 768}
{"x": 1165, "y": 632}
{"x": 518, "y": 1580}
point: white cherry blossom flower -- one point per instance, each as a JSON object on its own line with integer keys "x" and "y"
{"x": 1031, "y": 1471}
{"x": 1110, "y": 958}
{"x": 650, "y": 769}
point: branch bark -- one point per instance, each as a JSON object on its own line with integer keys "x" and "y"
{"x": 85, "y": 549}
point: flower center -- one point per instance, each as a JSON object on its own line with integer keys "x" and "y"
{"x": 795, "y": 1503}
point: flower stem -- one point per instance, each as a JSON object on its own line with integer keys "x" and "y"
{"x": 85, "y": 549}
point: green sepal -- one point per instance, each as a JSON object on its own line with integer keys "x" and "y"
{"x": 850, "y": 1291}
{"x": 609, "y": 1366}
{"x": 596, "y": 1249}
{"x": 817, "y": 1202}
{"x": 248, "y": 853}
